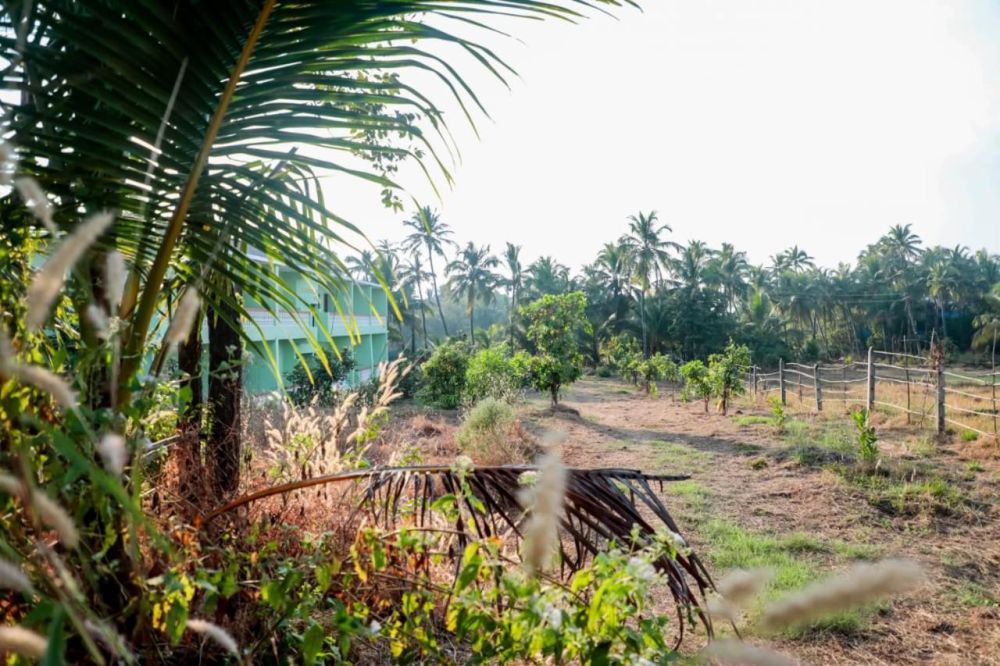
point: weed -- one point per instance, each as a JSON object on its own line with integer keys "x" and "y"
{"x": 969, "y": 435}
{"x": 973, "y": 595}
{"x": 778, "y": 413}
{"x": 867, "y": 439}
{"x": 758, "y": 463}
{"x": 491, "y": 432}
{"x": 974, "y": 466}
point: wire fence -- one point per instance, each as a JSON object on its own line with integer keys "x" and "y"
{"x": 923, "y": 388}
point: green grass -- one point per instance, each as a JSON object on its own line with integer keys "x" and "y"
{"x": 902, "y": 496}
{"x": 753, "y": 419}
{"x": 975, "y": 466}
{"x": 973, "y": 595}
{"x": 694, "y": 494}
{"x": 794, "y": 560}
{"x": 676, "y": 456}
{"x": 969, "y": 435}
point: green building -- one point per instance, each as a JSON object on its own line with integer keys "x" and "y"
{"x": 365, "y": 315}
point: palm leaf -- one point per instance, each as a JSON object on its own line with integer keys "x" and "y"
{"x": 602, "y": 507}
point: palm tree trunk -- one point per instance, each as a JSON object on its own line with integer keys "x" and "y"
{"x": 944, "y": 325}
{"x": 642, "y": 319}
{"x": 189, "y": 418}
{"x": 472, "y": 317}
{"x": 423, "y": 313}
{"x": 437, "y": 294}
{"x": 225, "y": 385}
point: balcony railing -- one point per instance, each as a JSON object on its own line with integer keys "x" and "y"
{"x": 287, "y": 326}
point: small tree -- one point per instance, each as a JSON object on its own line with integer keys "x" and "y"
{"x": 727, "y": 372}
{"x": 697, "y": 382}
{"x": 552, "y": 325}
{"x": 444, "y": 376}
{"x": 656, "y": 368}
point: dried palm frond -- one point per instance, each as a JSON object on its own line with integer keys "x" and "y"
{"x": 602, "y": 507}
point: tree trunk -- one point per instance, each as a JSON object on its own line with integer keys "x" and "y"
{"x": 437, "y": 294}
{"x": 944, "y": 324}
{"x": 225, "y": 385}
{"x": 642, "y": 318}
{"x": 513, "y": 309}
{"x": 423, "y": 315}
{"x": 472, "y": 318}
{"x": 554, "y": 390}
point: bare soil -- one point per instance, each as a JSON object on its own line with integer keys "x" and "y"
{"x": 750, "y": 477}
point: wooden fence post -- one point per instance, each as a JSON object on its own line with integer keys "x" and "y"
{"x": 906, "y": 370}
{"x": 798, "y": 384}
{"x": 818, "y": 388}
{"x": 940, "y": 398}
{"x": 781, "y": 379}
{"x": 753, "y": 381}
{"x": 870, "y": 402}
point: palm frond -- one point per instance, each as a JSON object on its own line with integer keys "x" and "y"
{"x": 602, "y": 507}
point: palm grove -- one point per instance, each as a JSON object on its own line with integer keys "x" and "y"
{"x": 688, "y": 300}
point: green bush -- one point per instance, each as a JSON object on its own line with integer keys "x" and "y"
{"x": 969, "y": 435}
{"x": 867, "y": 439}
{"x": 492, "y": 373}
{"x": 553, "y": 323}
{"x": 655, "y": 368}
{"x": 492, "y": 434}
{"x": 697, "y": 383}
{"x": 444, "y": 376}
{"x": 322, "y": 385}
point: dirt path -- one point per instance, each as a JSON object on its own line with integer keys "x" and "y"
{"x": 750, "y": 501}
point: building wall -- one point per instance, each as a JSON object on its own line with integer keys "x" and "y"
{"x": 366, "y": 307}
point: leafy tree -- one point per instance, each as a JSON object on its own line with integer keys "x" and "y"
{"x": 656, "y": 368}
{"x": 493, "y": 373}
{"x": 552, "y": 324}
{"x": 320, "y": 382}
{"x": 727, "y": 373}
{"x": 444, "y": 375}
{"x": 697, "y": 382}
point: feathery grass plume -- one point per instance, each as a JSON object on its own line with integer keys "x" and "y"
{"x": 55, "y": 517}
{"x": 859, "y": 585}
{"x": 49, "y": 280}
{"x": 740, "y": 586}
{"x": 13, "y": 578}
{"x": 8, "y": 163}
{"x": 43, "y": 380}
{"x": 114, "y": 279}
{"x": 721, "y": 609}
{"x": 113, "y": 452}
{"x": 11, "y": 485}
{"x": 544, "y": 501}
{"x": 184, "y": 316}
{"x": 216, "y": 633}
{"x": 733, "y": 651}
{"x": 98, "y": 318}
{"x": 18, "y": 640}
{"x": 36, "y": 201}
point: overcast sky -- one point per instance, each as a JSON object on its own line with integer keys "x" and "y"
{"x": 758, "y": 122}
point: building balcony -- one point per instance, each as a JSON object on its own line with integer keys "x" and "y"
{"x": 284, "y": 326}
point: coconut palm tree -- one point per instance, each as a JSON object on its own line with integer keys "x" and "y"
{"x": 188, "y": 121}
{"x": 470, "y": 275}
{"x": 430, "y": 233}
{"x": 650, "y": 257}
{"x": 730, "y": 267}
{"x": 545, "y": 275}
{"x": 514, "y": 282}
{"x": 414, "y": 275}
{"x": 794, "y": 259}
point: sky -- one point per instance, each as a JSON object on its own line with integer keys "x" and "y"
{"x": 761, "y": 123}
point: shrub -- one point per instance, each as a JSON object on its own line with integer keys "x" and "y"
{"x": 727, "y": 372}
{"x": 777, "y": 412}
{"x": 492, "y": 434}
{"x": 493, "y": 374}
{"x": 655, "y": 368}
{"x": 867, "y": 439}
{"x": 969, "y": 435}
{"x": 318, "y": 383}
{"x": 444, "y": 376}
{"x": 697, "y": 383}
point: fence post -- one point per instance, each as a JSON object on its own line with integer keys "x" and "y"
{"x": 870, "y": 402}
{"x": 818, "y": 387}
{"x": 940, "y": 398}
{"x": 906, "y": 370}
{"x": 781, "y": 379}
{"x": 753, "y": 381}
{"x": 993, "y": 384}
{"x": 798, "y": 384}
